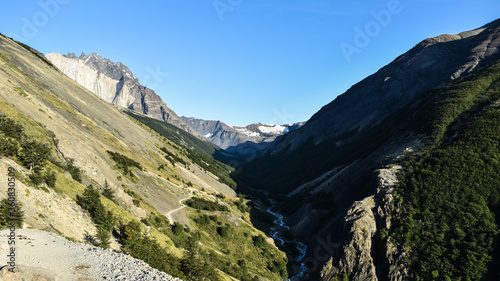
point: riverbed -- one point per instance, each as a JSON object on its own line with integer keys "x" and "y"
{"x": 277, "y": 233}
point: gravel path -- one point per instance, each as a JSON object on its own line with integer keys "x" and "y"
{"x": 51, "y": 257}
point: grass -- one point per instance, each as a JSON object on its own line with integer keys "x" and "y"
{"x": 85, "y": 122}
{"x": 6, "y": 59}
{"x": 20, "y": 91}
{"x": 32, "y": 129}
{"x": 238, "y": 245}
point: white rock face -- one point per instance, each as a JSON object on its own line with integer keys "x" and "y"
{"x": 115, "y": 83}
{"x": 99, "y": 84}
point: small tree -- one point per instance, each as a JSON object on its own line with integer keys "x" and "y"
{"x": 223, "y": 232}
{"x": 108, "y": 192}
{"x": 177, "y": 228}
{"x": 50, "y": 178}
{"x": 103, "y": 237}
{"x": 11, "y": 129}
{"x": 89, "y": 198}
{"x": 11, "y": 214}
{"x": 8, "y": 146}
{"x": 74, "y": 170}
{"x": 259, "y": 241}
{"x": 33, "y": 155}
{"x": 129, "y": 234}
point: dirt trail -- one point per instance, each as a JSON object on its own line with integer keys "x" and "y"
{"x": 169, "y": 213}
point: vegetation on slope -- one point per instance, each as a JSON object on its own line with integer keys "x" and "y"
{"x": 199, "y": 152}
{"x": 11, "y": 214}
{"x": 204, "y": 204}
{"x": 448, "y": 199}
{"x": 176, "y": 135}
{"x": 282, "y": 172}
{"x": 198, "y": 263}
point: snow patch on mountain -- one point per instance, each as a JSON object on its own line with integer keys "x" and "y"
{"x": 272, "y": 129}
{"x": 247, "y": 132}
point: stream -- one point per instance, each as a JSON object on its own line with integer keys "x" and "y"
{"x": 277, "y": 233}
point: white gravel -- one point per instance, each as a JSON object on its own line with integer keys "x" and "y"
{"x": 59, "y": 259}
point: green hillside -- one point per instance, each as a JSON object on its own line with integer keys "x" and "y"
{"x": 120, "y": 184}
{"x": 448, "y": 200}
{"x": 176, "y": 135}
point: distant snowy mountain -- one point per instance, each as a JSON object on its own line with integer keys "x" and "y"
{"x": 240, "y": 140}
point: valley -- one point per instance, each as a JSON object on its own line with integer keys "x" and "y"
{"x": 395, "y": 179}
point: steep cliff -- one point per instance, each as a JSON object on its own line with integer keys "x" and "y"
{"x": 432, "y": 63}
{"x": 115, "y": 83}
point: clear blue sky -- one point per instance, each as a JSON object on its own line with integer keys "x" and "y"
{"x": 243, "y": 61}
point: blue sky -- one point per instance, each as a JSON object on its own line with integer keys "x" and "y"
{"x": 243, "y": 61}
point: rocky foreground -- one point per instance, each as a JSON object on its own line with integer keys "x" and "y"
{"x": 43, "y": 255}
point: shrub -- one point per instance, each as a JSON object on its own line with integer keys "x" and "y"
{"x": 203, "y": 204}
{"x": 148, "y": 250}
{"x": 33, "y": 155}
{"x": 136, "y": 202}
{"x": 202, "y": 220}
{"x": 123, "y": 162}
{"x": 35, "y": 178}
{"x": 73, "y": 170}
{"x": 242, "y": 206}
{"x": 11, "y": 129}
{"x": 8, "y": 146}
{"x": 259, "y": 241}
{"x": 177, "y": 228}
{"x": 158, "y": 221}
{"x": 91, "y": 202}
{"x": 223, "y": 232}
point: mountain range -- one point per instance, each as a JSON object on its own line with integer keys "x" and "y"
{"x": 115, "y": 83}
{"x": 248, "y": 140}
{"x": 395, "y": 179}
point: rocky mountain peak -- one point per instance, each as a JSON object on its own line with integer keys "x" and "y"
{"x": 105, "y": 66}
{"x": 115, "y": 83}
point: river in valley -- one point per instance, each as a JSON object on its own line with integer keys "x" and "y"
{"x": 278, "y": 234}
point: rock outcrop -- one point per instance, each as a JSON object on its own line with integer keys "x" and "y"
{"x": 362, "y": 228}
{"x": 115, "y": 83}
{"x": 394, "y": 256}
